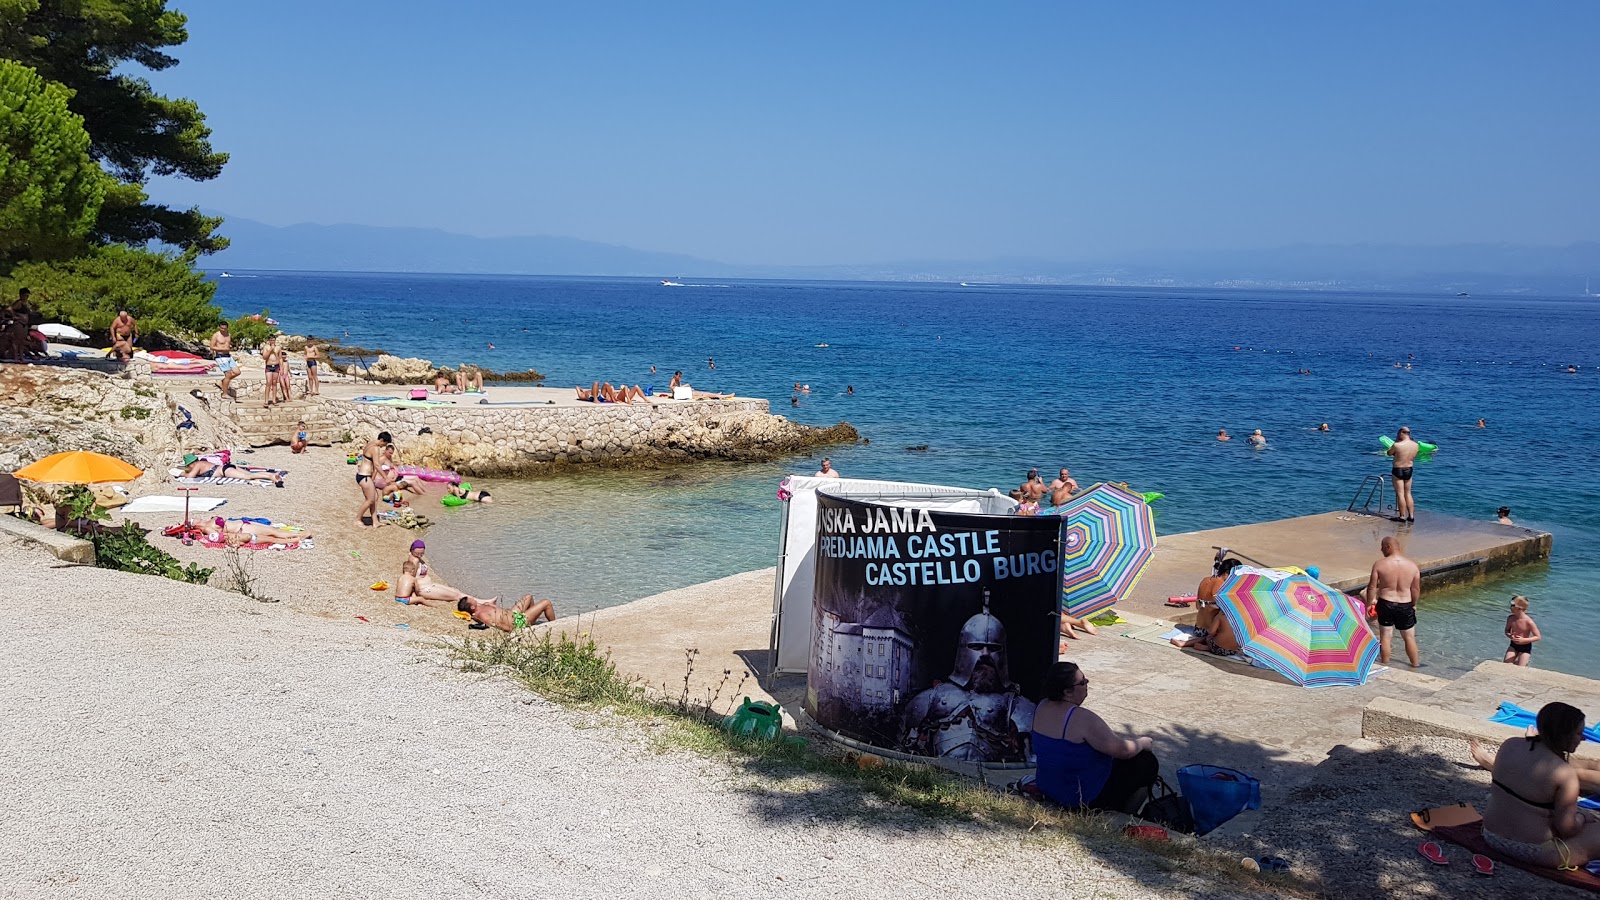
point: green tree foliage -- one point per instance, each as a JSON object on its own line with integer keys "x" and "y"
{"x": 50, "y": 190}
{"x": 162, "y": 291}
{"x": 134, "y": 132}
{"x": 251, "y": 331}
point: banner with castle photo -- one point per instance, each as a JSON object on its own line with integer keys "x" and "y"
{"x": 932, "y": 631}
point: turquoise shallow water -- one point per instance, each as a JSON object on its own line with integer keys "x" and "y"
{"x": 1117, "y": 384}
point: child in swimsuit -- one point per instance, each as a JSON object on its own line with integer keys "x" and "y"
{"x": 1523, "y": 633}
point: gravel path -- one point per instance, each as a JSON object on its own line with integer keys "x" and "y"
{"x": 177, "y": 741}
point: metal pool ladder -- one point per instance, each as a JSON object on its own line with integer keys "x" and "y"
{"x": 1373, "y": 487}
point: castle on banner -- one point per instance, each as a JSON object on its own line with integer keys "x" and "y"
{"x": 866, "y": 664}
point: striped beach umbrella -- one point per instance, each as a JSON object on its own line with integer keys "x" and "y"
{"x": 1299, "y": 627}
{"x": 1107, "y": 538}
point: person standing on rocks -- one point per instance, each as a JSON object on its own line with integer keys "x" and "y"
{"x": 1393, "y": 590}
{"x": 124, "y": 331}
{"x": 221, "y": 345}
{"x": 272, "y": 361}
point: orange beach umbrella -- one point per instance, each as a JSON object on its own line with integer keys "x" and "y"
{"x": 78, "y": 467}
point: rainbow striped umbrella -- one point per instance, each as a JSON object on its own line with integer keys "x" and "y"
{"x": 1299, "y": 627}
{"x": 1107, "y": 538}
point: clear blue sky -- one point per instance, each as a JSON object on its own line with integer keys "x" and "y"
{"x": 769, "y": 133}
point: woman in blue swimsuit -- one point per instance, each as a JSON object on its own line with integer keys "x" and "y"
{"x": 1082, "y": 762}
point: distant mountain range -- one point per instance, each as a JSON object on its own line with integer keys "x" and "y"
{"x": 1471, "y": 268}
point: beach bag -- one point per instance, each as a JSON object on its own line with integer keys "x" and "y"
{"x": 419, "y": 393}
{"x": 1167, "y": 809}
{"x": 1217, "y": 794}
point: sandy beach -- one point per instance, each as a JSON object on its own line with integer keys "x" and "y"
{"x": 187, "y": 742}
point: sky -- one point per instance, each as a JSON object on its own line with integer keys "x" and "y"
{"x": 843, "y": 133}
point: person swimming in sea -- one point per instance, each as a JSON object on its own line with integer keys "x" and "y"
{"x": 1223, "y": 435}
{"x": 1257, "y": 439}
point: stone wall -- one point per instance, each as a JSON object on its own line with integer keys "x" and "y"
{"x": 507, "y": 440}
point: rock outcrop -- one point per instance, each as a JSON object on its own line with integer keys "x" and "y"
{"x": 401, "y": 370}
{"x": 487, "y": 441}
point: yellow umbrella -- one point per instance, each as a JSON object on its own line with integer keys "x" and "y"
{"x": 78, "y": 467}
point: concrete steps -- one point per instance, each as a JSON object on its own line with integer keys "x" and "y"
{"x": 260, "y": 425}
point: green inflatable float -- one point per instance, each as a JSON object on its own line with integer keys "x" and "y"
{"x": 453, "y": 500}
{"x": 1423, "y": 447}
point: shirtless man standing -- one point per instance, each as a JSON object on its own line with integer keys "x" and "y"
{"x": 272, "y": 359}
{"x": 221, "y": 345}
{"x": 1062, "y": 489}
{"x": 1392, "y": 593}
{"x": 1404, "y": 452}
{"x": 827, "y": 470}
{"x": 313, "y": 359}
{"x": 526, "y": 612}
{"x": 124, "y": 330}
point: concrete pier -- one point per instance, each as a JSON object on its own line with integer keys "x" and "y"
{"x": 1343, "y": 545}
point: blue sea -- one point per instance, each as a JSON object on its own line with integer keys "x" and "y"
{"x": 1118, "y": 384}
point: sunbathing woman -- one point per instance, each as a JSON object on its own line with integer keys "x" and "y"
{"x": 236, "y": 533}
{"x": 417, "y": 584}
{"x": 525, "y": 613}
{"x": 443, "y": 385}
{"x": 1212, "y": 631}
{"x": 208, "y": 468}
{"x": 1533, "y": 814}
{"x": 605, "y": 393}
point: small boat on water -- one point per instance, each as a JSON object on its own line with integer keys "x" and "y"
{"x": 225, "y": 275}
{"x": 667, "y": 282}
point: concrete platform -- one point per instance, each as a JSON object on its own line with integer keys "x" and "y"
{"x": 1343, "y": 545}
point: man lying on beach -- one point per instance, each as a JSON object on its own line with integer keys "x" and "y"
{"x": 210, "y": 468}
{"x": 525, "y": 613}
{"x": 235, "y": 533}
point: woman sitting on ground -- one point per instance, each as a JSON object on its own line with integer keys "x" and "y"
{"x": 443, "y": 385}
{"x": 1082, "y": 762}
{"x": 1533, "y": 813}
{"x": 469, "y": 382}
{"x": 1212, "y": 631}
{"x": 417, "y": 584}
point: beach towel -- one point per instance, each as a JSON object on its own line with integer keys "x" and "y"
{"x": 373, "y": 398}
{"x": 154, "y": 504}
{"x": 230, "y": 480}
{"x": 1470, "y": 836}
{"x": 1511, "y": 714}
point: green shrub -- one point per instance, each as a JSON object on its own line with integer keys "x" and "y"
{"x": 126, "y": 549}
{"x": 251, "y": 331}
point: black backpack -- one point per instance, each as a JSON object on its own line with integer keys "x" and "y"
{"x": 1167, "y": 808}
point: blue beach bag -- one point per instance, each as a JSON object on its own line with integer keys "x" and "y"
{"x": 1216, "y": 794}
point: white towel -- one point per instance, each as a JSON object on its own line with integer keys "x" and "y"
{"x": 171, "y": 504}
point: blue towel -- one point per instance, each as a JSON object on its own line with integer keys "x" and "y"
{"x": 1511, "y": 714}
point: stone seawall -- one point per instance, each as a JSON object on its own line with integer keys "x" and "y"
{"x": 508, "y": 440}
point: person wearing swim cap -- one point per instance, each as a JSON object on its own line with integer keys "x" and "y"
{"x": 418, "y": 583}
{"x": 526, "y": 612}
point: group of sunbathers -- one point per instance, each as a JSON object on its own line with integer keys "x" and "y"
{"x": 419, "y": 585}
{"x": 465, "y": 382}
{"x": 605, "y": 393}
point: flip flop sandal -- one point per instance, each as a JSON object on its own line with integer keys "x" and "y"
{"x": 1482, "y": 865}
{"x": 1430, "y": 851}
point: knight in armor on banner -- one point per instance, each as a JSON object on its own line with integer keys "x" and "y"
{"x": 978, "y": 714}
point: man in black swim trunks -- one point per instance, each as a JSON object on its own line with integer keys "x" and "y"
{"x": 1392, "y": 593}
{"x": 1404, "y": 450}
